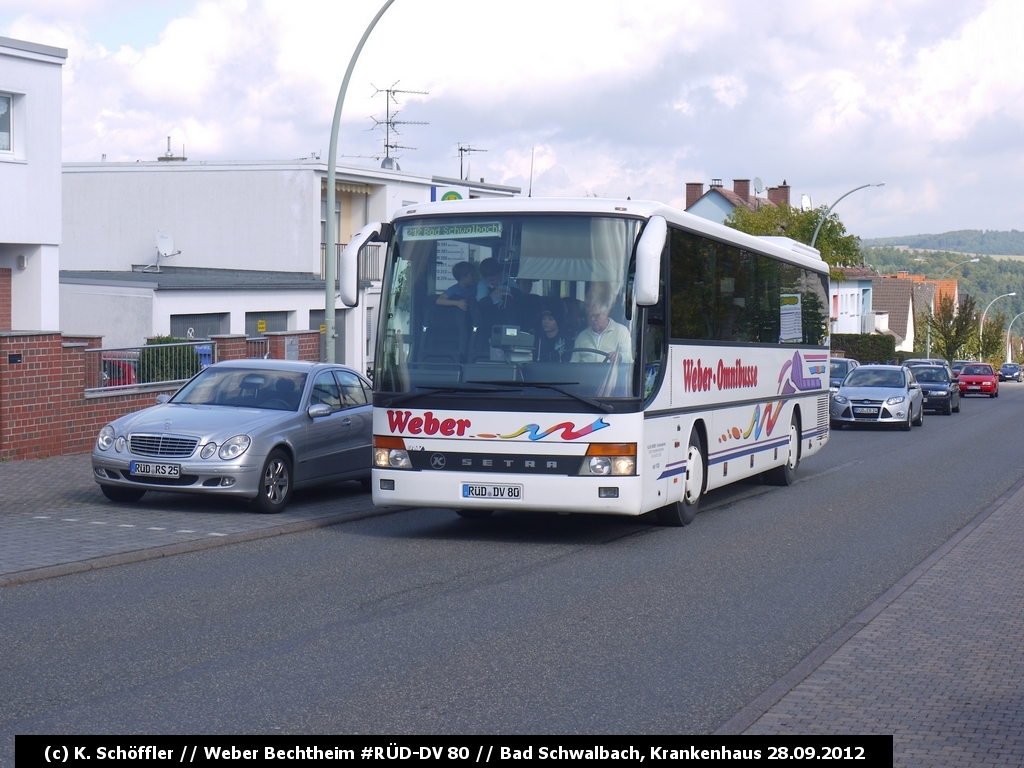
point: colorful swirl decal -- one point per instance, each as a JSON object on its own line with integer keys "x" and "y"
{"x": 568, "y": 428}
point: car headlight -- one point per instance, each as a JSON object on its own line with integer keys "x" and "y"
{"x": 895, "y": 400}
{"x": 105, "y": 438}
{"x": 939, "y": 393}
{"x": 208, "y": 450}
{"x": 839, "y": 399}
{"x": 234, "y": 447}
{"x": 120, "y": 444}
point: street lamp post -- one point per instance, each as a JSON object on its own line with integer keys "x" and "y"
{"x": 814, "y": 237}
{"x": 928, "y": 352}
{"x": 981, "y": 326}
{"x": 1009, "y": 350}
{"x": 330, "y": 258}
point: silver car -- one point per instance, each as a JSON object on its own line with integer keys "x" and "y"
{"x": 255, "y": 429}
{"x": 878, "y": 394}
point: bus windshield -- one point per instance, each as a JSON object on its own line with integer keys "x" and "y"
{"x": 498, "y": 301}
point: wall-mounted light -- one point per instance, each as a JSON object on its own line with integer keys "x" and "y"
{"x": 22, "y": 261}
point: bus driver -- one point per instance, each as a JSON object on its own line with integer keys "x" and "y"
{"x": 603, "y": 334}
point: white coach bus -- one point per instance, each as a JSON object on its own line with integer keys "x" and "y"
{"x": 614, "y": 357}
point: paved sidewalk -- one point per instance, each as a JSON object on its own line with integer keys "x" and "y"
{"x": 937, "y": 661}
{"x": 54, "y": 520}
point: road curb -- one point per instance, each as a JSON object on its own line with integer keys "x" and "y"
{"x": 196, "y": 545}
{"x": 771, "y": 696}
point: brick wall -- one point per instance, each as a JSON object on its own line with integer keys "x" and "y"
{"x": 44, "y": 408}
{"x": 309, "y": 344}
{"x": 5, "y": 299}
{"x": 230, "y": 347}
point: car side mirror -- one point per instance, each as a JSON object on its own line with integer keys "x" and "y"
{"x": 162, "y": 398}
{"x": 318, "y": 410}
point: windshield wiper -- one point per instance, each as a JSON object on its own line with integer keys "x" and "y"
{"x": 557, "y": 386}
{"x": 440, "y": 390}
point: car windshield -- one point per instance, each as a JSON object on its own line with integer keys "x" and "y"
{"x": 523, "y": 299}
{"x": 244, "y": 388}
{"x": 838, "y": 368}
{"x": 1010, "y": 367}
{"x": 976, "y": 370}
{"x": 932, "y": 374}
{"x": 874, "y": 377}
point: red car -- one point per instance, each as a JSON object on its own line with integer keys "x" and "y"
{"x": 979, "y": 379}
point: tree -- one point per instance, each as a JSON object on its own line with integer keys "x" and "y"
{"x": 993, "y": 338}
{"x": 837, "y": 248}
{"x": 953, "y": 332}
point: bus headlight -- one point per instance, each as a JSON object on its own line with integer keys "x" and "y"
{"x": 390, "y": 453}
{"x": 605, "y": 459}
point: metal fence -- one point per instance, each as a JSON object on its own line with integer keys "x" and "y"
{"x": 258, "y": 346}
{"x": 121, "y": 368}
{"x": 371, "y": 262}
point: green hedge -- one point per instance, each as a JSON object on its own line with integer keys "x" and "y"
{"x": 865, "y": 347}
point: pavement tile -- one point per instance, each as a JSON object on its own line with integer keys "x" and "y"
{"x": 55, "y": 520}
{"x": 941, "y": 667}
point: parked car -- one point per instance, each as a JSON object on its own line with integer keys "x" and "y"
{"x": 255, "y": 429}
{"x": 838, "y": 368}
{"x": 878, "y": 394}
{"x": 1009, "y": 371}
{"x": 924, "y": 361}
{"x": 939, "y": 388}
{"x": 979, "y": 379}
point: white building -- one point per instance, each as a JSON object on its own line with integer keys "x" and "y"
{"x": 852, "y": 309}
{"x": 30, "y": 183}
{"x": 248, "y": 246}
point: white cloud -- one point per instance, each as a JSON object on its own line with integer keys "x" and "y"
{"x": 617, "y": 97}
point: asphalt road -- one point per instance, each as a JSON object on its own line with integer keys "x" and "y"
{"x": 421, "y": 622}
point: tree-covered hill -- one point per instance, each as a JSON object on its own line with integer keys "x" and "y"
{"x": 991, "y": 242}
{"x": 984, "y": 281}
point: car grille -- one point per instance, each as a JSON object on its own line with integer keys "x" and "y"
{"x": 867, "y": 410}
{"x": 165, "y": 446}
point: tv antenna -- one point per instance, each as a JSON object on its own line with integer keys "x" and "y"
{"x": 389, "y": 122}
{"x": 465, "y": 150}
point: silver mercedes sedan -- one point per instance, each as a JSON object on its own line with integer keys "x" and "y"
{"x": 255, "y": 429}
{"x": 878, "y": 394}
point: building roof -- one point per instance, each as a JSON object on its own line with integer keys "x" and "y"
{"x": 197, "y": 279}
{"x": 924, "y": 293}
{"x": 895, "y": 296}
{"x": 861, "y": 272}
{"x": 751, "y": 203}
{"x": 25, "y": 45}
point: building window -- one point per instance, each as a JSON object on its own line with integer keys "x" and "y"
{"x": 6, "y": 100}
{"x": 200, "y": 326}
{"x": 259, "y": 323}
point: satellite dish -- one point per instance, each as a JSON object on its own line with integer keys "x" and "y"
{"x": 805, "y": 202}
{"x": 758, "y": 185}
{"x": 164, "y": 243}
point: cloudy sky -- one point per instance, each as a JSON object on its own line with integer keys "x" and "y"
{"x": 613, "y": 97}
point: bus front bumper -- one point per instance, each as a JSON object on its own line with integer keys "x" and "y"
{"x": 609, "y": 495}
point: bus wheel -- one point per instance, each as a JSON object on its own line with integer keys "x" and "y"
{"x": 682, "y": 512}
{"x": 474, "y": 514}
{"x": 786, "y": 474}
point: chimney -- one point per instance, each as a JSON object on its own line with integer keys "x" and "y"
{"x": 742, "y": 188}
{"x": 780, "y": 194}
{"x": 694, "y": 192}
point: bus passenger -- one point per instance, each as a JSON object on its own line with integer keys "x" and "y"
{"x": 464, "y": 290}
{"x": 604, "y": 335}
{"x": 552, "y": 343}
